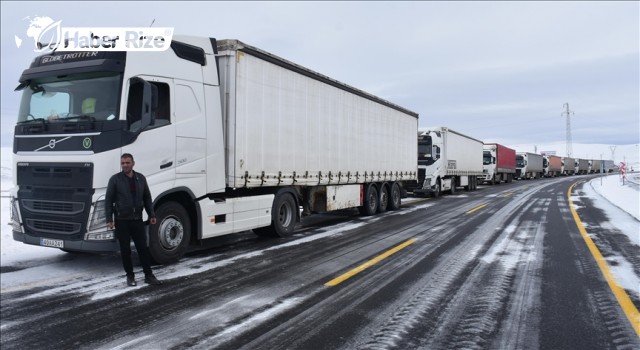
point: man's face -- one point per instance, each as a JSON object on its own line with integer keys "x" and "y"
{"x": 126, "y": 164}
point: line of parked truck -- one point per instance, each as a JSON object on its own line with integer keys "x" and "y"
{"x": 231, "y": 138}
{"x": 448, "y": 159}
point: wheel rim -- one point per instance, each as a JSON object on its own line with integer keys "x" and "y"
{"x": 171, "y": 232}
{"x": 285, "y": 214}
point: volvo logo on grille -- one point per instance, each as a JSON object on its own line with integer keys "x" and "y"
{"x": 52, "y": 143}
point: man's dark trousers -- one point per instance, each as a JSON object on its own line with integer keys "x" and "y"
{"x": 133, "y": 229}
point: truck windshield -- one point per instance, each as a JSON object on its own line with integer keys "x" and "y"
{"x": 519, "y": 161}
{"x": 425, "y": 151}
{"x": 486, "y": 158}
{"x": 80, "y": 97}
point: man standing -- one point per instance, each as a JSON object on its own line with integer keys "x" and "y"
{"x": 127, "y": 194}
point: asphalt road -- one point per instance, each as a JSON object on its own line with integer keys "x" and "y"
{"x": 504, "y": 267}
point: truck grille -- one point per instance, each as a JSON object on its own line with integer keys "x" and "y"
{"x": 53, "y": 207}
{"x": 55, "y": 198}
{"x": 58, "y": 227}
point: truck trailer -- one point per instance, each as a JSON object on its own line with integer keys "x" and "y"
{"x": 529, "y": 165}
{"x": 582, "y": 166}
{"x": 552, "y": 166}
{"x": 447, "y": 159}
{"x": 595, "y": 166}
{"x": 230, "y": 137}
{"x": 498, "y": 162}
{"x": 568, "y": 166}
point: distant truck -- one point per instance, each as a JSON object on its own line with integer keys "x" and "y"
{"x": 498, "y": 162}
{"x": 595, "y": 166}
{"x": 230, "y": 137}
{"x": 568, "y": 166}
{"x": 529, "y": 165}
{"x": 609, "y": 166}
{"x": 447, "y": 159}
{"x": 552, "y": 166}
{"x": 582, "y": 166}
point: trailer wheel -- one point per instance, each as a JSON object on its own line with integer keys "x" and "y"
{"x": 383, "y": 199}
{"x": 169, "y": 237}
{"x": 395, "y": 198}
{"x": 283, "y": 217}
{"x": 453, "y": 185}
{"x": 370, "y": 205}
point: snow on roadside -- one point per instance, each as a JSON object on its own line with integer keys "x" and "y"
{"x": 624, "y": 196}
{"x": 620, "y": 204}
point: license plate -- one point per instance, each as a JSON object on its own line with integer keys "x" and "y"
{"x": 56, "y": 243}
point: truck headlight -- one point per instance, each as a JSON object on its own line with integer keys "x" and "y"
{"x": 98, "y": 219}
{"x": 15, "y": 216}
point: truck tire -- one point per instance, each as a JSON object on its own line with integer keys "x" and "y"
{"x": 395, "y": 197}
{"x": 438, "y": 188}
{"x": 370, "y": 204}
{"x": 169, "y": 237}
{"x": 383, "y": 199}
{"x": 453, "y": 185}
{"x": 283, "y": 217}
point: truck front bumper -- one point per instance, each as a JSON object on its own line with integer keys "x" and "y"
{"x": 109, "y": 245}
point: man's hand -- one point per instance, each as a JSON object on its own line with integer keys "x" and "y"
{"x": 152, "y": 221}
{"x": 110, "y": 225}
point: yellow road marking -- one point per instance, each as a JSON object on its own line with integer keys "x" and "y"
{"x": 508, "y": 194}
{"x": 621, "y": 295}
{"x": 357, "y": 270}
{"x": 476, "y": 208}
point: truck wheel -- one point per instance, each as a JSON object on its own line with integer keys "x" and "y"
{"x": 395, "y": 198}
{"x": 383, "y": 199}
{"x": 453, "y": 185}
{"x": 370, "y": 205}
{"x": 283, "y": 217}
{"x": 436, "y": 191}
{"x": 169, "y": 237}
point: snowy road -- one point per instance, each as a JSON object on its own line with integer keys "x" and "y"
{"x": 504, "y": 267}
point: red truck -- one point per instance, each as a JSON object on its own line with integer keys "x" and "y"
{"x": 498, "y": 162}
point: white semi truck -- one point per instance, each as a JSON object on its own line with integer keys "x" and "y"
{"x": 529, "y": 165}
{"x": 230, "y": 137}
{"x": 447, "y": 159}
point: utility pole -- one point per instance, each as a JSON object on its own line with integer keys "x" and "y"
{"x": 613, "y": 153}
{"x": 568, "y": 113}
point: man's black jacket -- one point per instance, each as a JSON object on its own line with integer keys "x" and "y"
{"x": 119, "y": 198}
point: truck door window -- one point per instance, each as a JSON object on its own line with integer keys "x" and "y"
{"x": 160, "y": 114}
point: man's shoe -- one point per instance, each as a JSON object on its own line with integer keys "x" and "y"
{"x": 131, "y": 281}
{"x": 151, "y": 279}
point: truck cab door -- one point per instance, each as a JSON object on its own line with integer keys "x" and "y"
{"x": 152, "y": 131}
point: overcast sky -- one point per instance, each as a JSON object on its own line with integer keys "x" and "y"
{"x": 498, "y": 71}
